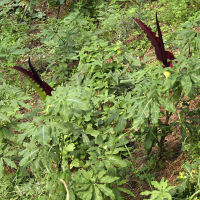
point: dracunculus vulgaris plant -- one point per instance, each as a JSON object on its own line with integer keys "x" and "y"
{"x": 162, "y": 55}
{"x": 41, "y": 87}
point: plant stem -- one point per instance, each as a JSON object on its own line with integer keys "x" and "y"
{"x": 61, "y": 144}
{"x": 58, "y": 12}
{"x": 161, "y": 143}
{"x": 133, "y": 164}
{"x": 194, "y": 194}
{"x": 66, "y": 188}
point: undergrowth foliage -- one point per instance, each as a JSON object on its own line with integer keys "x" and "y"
{"x": 109, "y": 95}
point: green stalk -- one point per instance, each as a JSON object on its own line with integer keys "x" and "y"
{"x": 133, "y": 164}
{"x": 161, "y": 143}
{"x": 58, "y": 12}
{"x": 61, "y": 144}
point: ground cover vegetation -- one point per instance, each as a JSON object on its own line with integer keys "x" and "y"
{"x": 111, "y": 98}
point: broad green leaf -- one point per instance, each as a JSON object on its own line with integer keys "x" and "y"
{"x": 195, "y": 78}
{"x": 107, "y": 191}
{"x": 97, "y": 193}
{"x": 112, "y": 118}
{"x": 108, "y": 179}
{"x": 143, "y": 112}
{"x": 69, "y": 147}
{"x": 28, "y": 158}
{"x": 183, "y": 133}
{"x": 137, "y": 122}
{"x": 87, "y": 195}
{"x": 85, "y": 139}
{"x": 146, "y": 193}
{"x": 148, "y": 141}
{"x": 71, "y": 194}
{"x": 121, "y": 124}
{"x": 117, "y": 161}
{"x": 20, "y": 51}
{"x": 117, "y": 193}
{"x": 76, "y": 163}
{"x": 28, "y": 132}
{"x": 126, "y": 191}
{"x": 43, "y": 134}
{"x": 157, "y": 185}
{"x": 146, "y": 107}
{"x": 122, "y": 182}
{"x": 167, "y": 196}
{"x": 186, "y": 83}
{"x": 84, "y": 187}
{"x": 92, "y": 132}
{"x": 155, "y": 111}
{"x": 101, "y": 173}
{"x": 167, "y": 104}
{"x": 3, "y": 55}
{"x": 87, "y": 174}
{"x": 99, "y": 140}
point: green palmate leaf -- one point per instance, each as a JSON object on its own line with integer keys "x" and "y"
{"x": 155, "y": 111}
{"x": 186, "y": 83}
{"x": 10, "y": 163}
{"x": 97, "y": 193}
{"x": 121, "y": 124}
{"x": 167, "y": 104}
{"x": 107, "y": 191}
{"x": 108, "y": 179}
{"x": 126, "y": 191}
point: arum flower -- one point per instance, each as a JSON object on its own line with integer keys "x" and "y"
{"x": 42, "y": 88}
{"x": 157, "y": 42}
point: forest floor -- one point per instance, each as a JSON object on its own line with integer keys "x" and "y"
{"x": 173, "y": 156}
